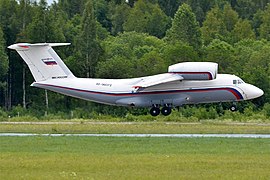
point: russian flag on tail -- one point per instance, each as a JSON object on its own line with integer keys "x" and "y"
{"x": 49, "y": 61}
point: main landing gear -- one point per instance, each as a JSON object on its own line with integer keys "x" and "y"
{"x": 166, "y": 111}
{"x": 155, "y": 111}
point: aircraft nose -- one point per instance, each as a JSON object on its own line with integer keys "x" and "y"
{"x": 253, "y": 92}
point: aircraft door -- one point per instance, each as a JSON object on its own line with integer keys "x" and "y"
{"x": 238, "y": 83}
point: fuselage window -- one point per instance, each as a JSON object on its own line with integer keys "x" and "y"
{"x": 238, "y": 81}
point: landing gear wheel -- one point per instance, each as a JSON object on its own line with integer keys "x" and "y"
{"x": 233, "y": 108}
{"x": 154, "y": 111}
{"x": 166, "y": 111}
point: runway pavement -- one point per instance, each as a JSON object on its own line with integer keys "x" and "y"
{"x": 144, "y": 135}
{"x": 100, "y": 122}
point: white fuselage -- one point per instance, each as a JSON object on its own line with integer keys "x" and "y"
{"x": 185, "y": 83}
{"x": 225, "y": 88}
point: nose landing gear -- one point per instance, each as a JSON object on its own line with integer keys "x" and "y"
{"x": 233, "y": 108}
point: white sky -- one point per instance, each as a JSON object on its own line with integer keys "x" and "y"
{"x": 50, "y": 1}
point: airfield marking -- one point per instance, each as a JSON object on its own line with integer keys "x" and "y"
{"x": 92, "y": 122}
{"x": 143, "y": 135}
{"x": 127, "y": 123}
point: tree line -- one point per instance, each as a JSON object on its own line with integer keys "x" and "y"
{"x": 123, "y": 39}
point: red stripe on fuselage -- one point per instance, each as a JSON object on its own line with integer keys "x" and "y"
{"x": 236, "y": 93}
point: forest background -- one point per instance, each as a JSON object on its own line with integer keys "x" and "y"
{"x": 124, "y": 39}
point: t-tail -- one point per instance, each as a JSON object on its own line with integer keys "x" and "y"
{"x": 43, "y": 61}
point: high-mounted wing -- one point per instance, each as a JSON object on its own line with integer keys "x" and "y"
{"x": 193, "y": 71}
{"x": 157, "y": 79}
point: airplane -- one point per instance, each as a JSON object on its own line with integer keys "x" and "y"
{"x": 184, "y": 83}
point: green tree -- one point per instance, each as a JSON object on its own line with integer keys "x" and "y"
{"x": 151, "y": 59}
{"x": 118, "y": 15}
{"x": 243, "y": 51}
{"x": 248, "y": 8}
{"x": 253, "y": 65}
{"x": 146, "y": 17}
{"x": 257, "y": 21}
{"x": 230, "y": 17}
{"x": 72, "y": 28}
{"x": 213, "y": 26}
{"x": 242, "y": 30}
{"x": 10, "y": 26}
{"x": 219, "y": 23}
{"x": 89, "y": 48}
{"x": 9, "y": 20}
{"x": 101, "y": 11}
{"x": 3, "y": 67}
{"x": 72, "y": 7}
{"x": 116, "y": 67}
{"x": 179, "y": 52}
{"x": 222, "y": 53}
{"x": 264, "y": 28}
{"x": 197, "y": 7}
{"x": 24, "y": 15}
{"x": 185, "y": 28}
{"x": 44, "y": 30}
{"x": 257, "y": 71}
{"x": 129, "y": 51}
{"x": 169, "y": 7}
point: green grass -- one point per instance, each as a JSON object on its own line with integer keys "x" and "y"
{"x": 138, "y": 127}
{"x": 133, "y": 158}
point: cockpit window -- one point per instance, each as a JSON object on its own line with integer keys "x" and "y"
{"x": 238, "y": 81}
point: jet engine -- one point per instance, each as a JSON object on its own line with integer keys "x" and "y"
{"x": 195, "y": 70}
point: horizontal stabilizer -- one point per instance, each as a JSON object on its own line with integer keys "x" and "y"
{"x": 26, "y": 46}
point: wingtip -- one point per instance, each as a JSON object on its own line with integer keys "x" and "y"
{"x": 19, "y": 46}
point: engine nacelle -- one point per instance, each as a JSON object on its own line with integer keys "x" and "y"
{"x": 195, "y": 70}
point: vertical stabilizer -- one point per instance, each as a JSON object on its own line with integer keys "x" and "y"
{"x": 43, "y": 61}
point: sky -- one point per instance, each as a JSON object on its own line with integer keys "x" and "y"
{"x": 50, "y": 1}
